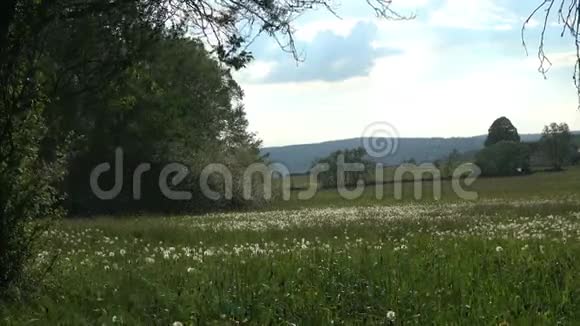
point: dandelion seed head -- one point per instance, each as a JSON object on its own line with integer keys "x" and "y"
{"x": 391, "y": 315}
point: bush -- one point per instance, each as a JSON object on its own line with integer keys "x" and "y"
{"x": 575, "y": 160}
{"x": 504, "y": 159}
{"x": 329, "y": 179}
{"x": 26, "y": 194}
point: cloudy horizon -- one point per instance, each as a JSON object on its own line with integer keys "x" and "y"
{"x": 450, "y": 72}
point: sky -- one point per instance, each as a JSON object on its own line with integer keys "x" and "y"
{"x": 450, "y": 72}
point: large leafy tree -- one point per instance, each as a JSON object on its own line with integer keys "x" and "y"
{"x": 502, "y": 129}
{"x": 111, "y": 37}
{"x": 556, "y": 143}
{"x": 503, "y": 153}
{"x": 176, "y": 105}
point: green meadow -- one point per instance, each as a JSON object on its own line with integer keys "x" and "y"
{"x": 508, "y": 258}
{"x": 538, "y": 186}
{"x": 140, "y": 140}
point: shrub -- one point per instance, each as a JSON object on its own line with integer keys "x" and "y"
{"x": 504, "y": 159}
{"x": 26, "y": 194}
{"x": 575, "y": 159}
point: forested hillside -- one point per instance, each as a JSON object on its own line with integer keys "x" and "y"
{"x": 299, "y": 158}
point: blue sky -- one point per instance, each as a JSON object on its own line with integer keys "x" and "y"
{"x": 449, "y": 72}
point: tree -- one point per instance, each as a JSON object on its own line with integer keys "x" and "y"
{"x": 26, "y": 183}
{"x": 329, "y": 179}
{"x": 111, "y": 38}
{"x": 505, "y": 158}
{"x": 502, "y": 129}
{"x": 575, "y": 160}
{"x": 176, "y": 104}
{"x": 453, "y": 160}
{"x": 556, "y": 143}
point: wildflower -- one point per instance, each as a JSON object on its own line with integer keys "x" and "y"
{"x": 122, "y": 252}
{"x": 524, "y": 248}
{"x": 115, "y": 319}
{"x": 391, "y": 316}
{"x": 190, "y": 269}
{"x": 177, "y": 323}
{"x": 498, "y": 249}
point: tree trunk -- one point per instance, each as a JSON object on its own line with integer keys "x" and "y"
{"x": 7, "y": 11}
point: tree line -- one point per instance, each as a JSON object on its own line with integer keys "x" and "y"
{"x": 504, "y": 153}
{"x": 81, "y": 78}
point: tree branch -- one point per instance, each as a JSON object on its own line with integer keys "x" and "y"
{"x": 568, "y": 15}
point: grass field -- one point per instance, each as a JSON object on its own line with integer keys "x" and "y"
{"x": 537, "y": 186}
{"x": 509, "y": 258}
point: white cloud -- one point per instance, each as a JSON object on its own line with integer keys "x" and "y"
{"x": 410, "y": 3}
{"x": 429, "y": 89}
{"x": 532, "y": 23}
{"x": 562, "y": 59}
{"x": 403, "y": 5}
{"x": 256, "y": 71}
{"x": 413, "y": 92}
{"x": 558, "y": 60}
{"x": 342, "y": 27}
{"x": 472, "y": 14}
{"x": 306, "y": 31}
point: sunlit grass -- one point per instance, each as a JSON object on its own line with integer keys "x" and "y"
{"x": 537, "y": 186}
{"x": 482, "y": 263}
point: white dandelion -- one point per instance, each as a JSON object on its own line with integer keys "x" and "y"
{"x": 391, "y": 316}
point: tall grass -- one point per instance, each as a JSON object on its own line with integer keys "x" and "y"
{"x": 510, "y": 262}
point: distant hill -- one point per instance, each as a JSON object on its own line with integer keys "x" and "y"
{"x": 299, "y": 158}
